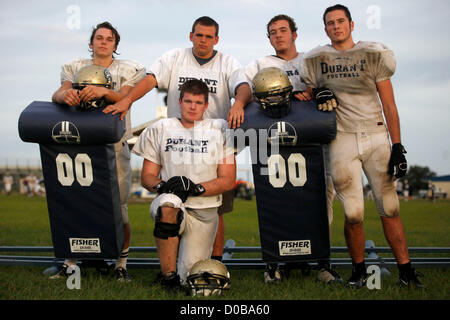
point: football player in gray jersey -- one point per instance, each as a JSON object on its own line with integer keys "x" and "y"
{"x": 125, "y": 74}
{"x": 359, "y": 75}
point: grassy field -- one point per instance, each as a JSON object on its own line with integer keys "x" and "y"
{"x": 24, "y": 221}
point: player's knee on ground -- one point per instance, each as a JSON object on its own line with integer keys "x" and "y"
{"x": 168, "y": 222}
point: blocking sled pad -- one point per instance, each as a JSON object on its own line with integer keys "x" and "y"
{"x": 80, "y": 177}
{"x": 290, "y": 187}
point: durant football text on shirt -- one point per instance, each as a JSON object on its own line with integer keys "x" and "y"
{"x": 186, "y": 145}
{"x": 211, "y": 83}
{"x": 342, "y": 71}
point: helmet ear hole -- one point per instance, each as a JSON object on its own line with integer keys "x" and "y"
{"x": 273, "y": 91}
{"x": 92, "y": 75}
{"x": 208, "y": 278}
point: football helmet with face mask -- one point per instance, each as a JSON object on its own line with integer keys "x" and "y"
{"x": 273, "y": 90}
{"x": 208, "y": 278}
{"x": 92, "y": 75}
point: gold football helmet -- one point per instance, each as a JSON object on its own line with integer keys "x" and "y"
{"x": 208, "y": 278}
{"x": 92, "y": 75}
{"x": 273, "y": 90}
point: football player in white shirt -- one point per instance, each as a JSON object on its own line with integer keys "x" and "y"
{"x": 282, "y": 34}
{"x": 125, "y": 74}
{"x": 359, "y": 75}
{"x": 222, "y": 73}
{"x": 190, "y": 162}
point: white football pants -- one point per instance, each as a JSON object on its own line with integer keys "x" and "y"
{"x": 350, "y": 153}
{"x": 197, "y": 230}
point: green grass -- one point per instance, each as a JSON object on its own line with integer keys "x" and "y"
{"x": 24, "y": 222}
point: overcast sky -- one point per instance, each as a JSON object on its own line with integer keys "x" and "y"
{"x": 37, "y": 37}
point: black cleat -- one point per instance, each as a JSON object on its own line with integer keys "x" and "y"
{"x": 357, "y": 280}
{"x": 405, "y": 279}
{"x": 121, "y": 274}
{"x": 170, "y": 282}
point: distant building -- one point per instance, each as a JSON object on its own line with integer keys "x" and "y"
{"x": 441, "y": 184}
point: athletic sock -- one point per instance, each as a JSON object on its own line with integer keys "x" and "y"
{"x": 404, "y": 268}
{"x": 70, "y": 262}
{"x": 359, "y": 267}
{"x": 323, "y": 264}
{"x": 122, "y": 260}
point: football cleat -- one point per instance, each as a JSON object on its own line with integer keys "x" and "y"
{"x": 328, "y": 276}
{"x": 357, "y": 280}
{"x": 62, "y": 272}
{"x": 405, "y": 279}
{"x": 121, "y": 274}
{"x": 170, "y": 282}
{"x": 272, "y": 274}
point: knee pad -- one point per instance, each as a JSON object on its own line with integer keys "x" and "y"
{"x": 164, "y": 230}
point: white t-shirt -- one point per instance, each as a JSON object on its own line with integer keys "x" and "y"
{"x": 192, "y": 152}
{"x": 291, "y": 67}
{"x": 352, "y": 76}
{"x": 222, "y": 74}
{"x": 123, "y": 73}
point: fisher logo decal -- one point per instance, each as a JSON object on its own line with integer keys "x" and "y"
{"x": 84, "y": 245}
{"x": 294, "y": 247}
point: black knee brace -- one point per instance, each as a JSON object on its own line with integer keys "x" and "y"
{"x": 164, "y": 230}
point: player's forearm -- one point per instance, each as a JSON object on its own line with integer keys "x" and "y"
{"x": 393, "y": 124}
{"x": 386, "y": 93}
{"x": 225, "y": 180}
{"x": 243, "y": 95}
{"x": 149, "y": 181}
{"x": 218, "y": 186}
{"x": 58, "y": 96}
{"x": 142, "y": 87}
{"x": 113, "y": 96}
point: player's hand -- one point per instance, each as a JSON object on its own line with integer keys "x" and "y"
{"x": 92, "y": 92}
{"x": 121, "y": 107}
{"x": 235, "y": 116}
{"x": 302, "y": 95}
{"x": 71, "y": 97}
{"x": 183, "y": 187}
{"x": 325, "y": 99}
{"x": 397, "y": 163}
